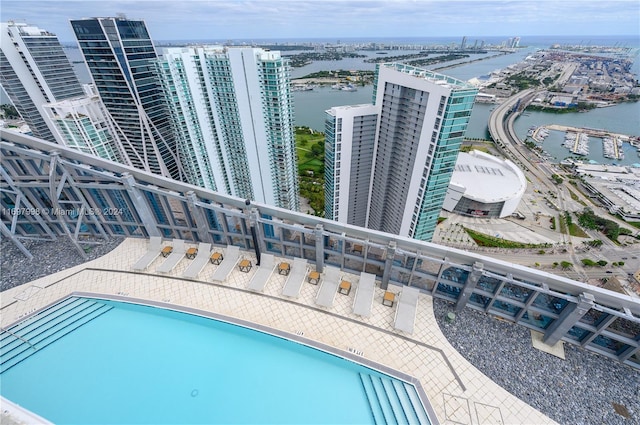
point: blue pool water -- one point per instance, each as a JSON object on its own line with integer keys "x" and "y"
{"x": 139, "y": 364}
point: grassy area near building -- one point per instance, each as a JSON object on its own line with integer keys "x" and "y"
{"x": 310, "y": 151}
{"x": 588, "y": 219}
{"x": 489, "y": 241}
{"x": 567, "y": 225}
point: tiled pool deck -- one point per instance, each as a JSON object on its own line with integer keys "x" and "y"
{"x": 457, "y": 391}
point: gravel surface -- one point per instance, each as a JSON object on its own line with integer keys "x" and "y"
{"x": 16, "y": 268}
{"x": 578, "y": 390}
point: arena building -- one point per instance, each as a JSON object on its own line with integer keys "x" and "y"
{"x": 484, "y": 186}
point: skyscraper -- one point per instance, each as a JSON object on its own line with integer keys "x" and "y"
{"x": 421, "y": 120}
{"x": 349, "y": 142}
{"x": 39, "y": 80}
{"x": 233, "y": 116}
{"x": 120, "y": 56}
{"x": 84, "y": 124}
{"x": 34, "y": 71}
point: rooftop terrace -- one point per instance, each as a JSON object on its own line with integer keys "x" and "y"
{"x": 456, "y": 390}
{"x": 428, "y": 75}
{"x": 53, "y": 193}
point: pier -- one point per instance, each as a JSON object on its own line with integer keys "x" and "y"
{"x": 594, "y": 132}
{"x": 611, "y": 142}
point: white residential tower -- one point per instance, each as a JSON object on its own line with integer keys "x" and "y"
{"x": 232, "y": 112}
{"x": 420, "y": 118}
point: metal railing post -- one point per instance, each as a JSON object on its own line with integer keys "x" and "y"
{"x": 569, "y": 317}
{"x": 472, "y": 280}
{"x": 318, "y": 234}
{"x": 388, "y": 264}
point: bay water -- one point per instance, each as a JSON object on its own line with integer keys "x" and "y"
{"x": 310, "y": 106}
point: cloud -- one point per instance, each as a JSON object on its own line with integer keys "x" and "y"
{"x": 234, "y": 19}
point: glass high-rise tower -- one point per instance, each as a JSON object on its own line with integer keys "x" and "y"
{"x": 120, "y": 56}
{"x": 408, "y": 162}
{"x": 232, "y": 111}
{"x": 34, "y": 70}
{"x": 40, "y": 82}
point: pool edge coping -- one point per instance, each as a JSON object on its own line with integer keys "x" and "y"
{"x": 300, "y": 339}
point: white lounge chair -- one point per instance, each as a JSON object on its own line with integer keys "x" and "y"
{"x": 177, "y": 254}
{"x": 262, "y": 275}
{"x": 155, "y": 246}
{"x": 202, "y": 258}
{"x": 296, "y": 278}
{"x": 328, "y": 287}
{"x": 364, "y": 294}
{"x": 405, "y": 315}
{"x": 231, "y": 256}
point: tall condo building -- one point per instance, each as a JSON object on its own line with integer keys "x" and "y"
{"x": 419, "y": 118}
{"x": 40, "y": 82}
{"x": 233, "y": 116}
{"x": 349, "y": 145}
{"x": 120, "y": 56}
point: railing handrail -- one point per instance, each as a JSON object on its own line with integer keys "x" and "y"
{"x": 18, "y": 337}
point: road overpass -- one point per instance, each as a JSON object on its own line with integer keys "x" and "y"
{"x": 501, "y": 129}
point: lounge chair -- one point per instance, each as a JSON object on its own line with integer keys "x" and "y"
{"x": 328, "y": 287}
{"x": 262, "y": 275}
{"x": 231, "y": 256}
{"x": 155, "y": 246}
{"x": 364, "y": 295}
{"x": 296, "y": 278}
{"x": 177, "y": 254}
{"x": 202, "y": 258}
{"x": 405, "y": 315}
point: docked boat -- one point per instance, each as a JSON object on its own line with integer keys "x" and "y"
{"x": 348, "y": 87}
{"x": 303, "y": 87}
{"x": 578, "y": 144}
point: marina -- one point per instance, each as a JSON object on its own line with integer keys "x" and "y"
{"x": 612, "y": 148}
{"x": 577, "y": 143}
{"x": 577, "y": 140}
{"x": 611, "y": 142}
{"x": 538, "y": 133}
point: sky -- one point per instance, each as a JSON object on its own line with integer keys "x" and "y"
{"x": 303, "y": 19}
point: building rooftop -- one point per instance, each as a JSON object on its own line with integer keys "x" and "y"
{"x": 487, "y": 178}
{"x": 434, "y": 77}
{"x": 534, "y": 299}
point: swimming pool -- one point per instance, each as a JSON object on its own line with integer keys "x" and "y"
{"x": 101, "y": 361}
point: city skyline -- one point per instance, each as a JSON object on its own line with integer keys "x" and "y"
{"x": 314, "y": 19}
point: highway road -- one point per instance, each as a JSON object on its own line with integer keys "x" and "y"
{"x": 501, "y": 129}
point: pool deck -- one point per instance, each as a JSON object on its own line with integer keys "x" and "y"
{"x": 457, "y": 391}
